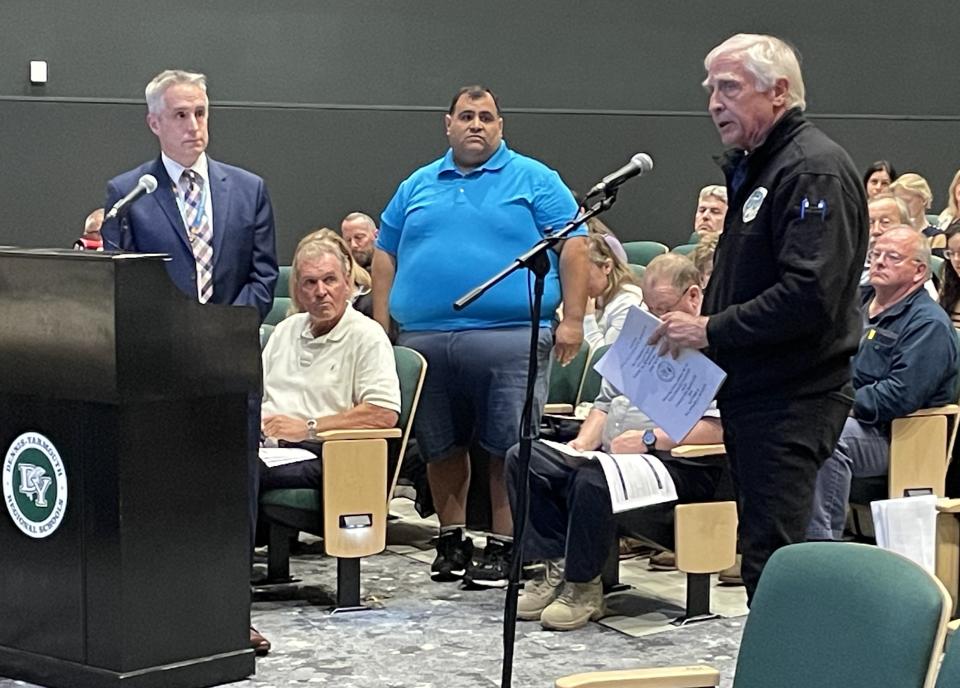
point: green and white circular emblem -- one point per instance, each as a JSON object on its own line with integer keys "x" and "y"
{"x": 34, "y": 485}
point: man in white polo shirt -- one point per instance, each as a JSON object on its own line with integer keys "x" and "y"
{"x": 327, "y": 367}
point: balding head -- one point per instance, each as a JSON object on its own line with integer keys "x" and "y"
{"x": 671, "y": 282}
{"x": 899, "y": 264}
{"x": 360, "y": 232}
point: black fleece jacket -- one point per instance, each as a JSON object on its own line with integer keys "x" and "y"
{"x": 783, "y": 297}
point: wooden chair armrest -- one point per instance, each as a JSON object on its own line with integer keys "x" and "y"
{"x": 558, "y": 408}
{"x": 659, "y": 677}
{"x": 360, "y": 434}
{"x": 948, "y": 410}
{"x": 953, "y": 626}
{"x": 692, "y": 451}
{"x": 948, "y": 506}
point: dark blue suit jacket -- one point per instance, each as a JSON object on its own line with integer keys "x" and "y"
{"x": 244, "y": 244}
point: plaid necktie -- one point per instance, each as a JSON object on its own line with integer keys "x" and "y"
{"x": 199, "y": 232}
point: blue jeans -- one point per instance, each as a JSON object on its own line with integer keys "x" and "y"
{"x": 863, "y": 451}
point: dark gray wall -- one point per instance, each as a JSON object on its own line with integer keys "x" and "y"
{"x": 336, "y": 102}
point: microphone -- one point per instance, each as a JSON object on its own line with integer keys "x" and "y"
{"x": 641, "y": 163}
{"x": 146, "y": 185}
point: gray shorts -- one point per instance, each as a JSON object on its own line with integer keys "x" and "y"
{"x": 475, "y": 386}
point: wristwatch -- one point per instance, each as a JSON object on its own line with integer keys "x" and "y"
{"x": 650, "y": 439}
{"x": 311, "y": 428}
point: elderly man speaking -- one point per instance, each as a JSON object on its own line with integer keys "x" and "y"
{"x": 781, "y": 307}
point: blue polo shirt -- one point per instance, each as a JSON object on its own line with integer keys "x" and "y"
{"x": 450, "y": 231}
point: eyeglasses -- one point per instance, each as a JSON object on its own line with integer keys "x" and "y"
{"x": 892, "y": 257}
{"x": 663, "y": 311}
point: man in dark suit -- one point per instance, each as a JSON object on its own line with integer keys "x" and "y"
{"x": 214, "y": 220}
{"x": 197, "y": 201}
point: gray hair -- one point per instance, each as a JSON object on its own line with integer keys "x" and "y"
{"x": 675, "y": 268}
{"x": 363, "y": 217}
{"x": 901, "y": 205}
{"x": 715, "y": 190}
{"x": 767, "y": 58}
{"x": 921, "y": 250}
{"x": 171, "y": 77}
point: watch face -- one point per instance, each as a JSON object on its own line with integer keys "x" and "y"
{"x": 649, "y": 439}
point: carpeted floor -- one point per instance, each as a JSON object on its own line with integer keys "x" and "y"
{"x": 432, "y": 635}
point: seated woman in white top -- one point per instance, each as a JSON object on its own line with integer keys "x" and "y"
{"x": 612, "y": 289}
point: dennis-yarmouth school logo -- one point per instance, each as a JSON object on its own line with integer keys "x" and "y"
{"x": 34, "y": 485}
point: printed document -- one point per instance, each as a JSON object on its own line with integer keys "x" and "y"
{"x": 280, "y": 456}
{"x": 673, "y": 392}
{"x": 634, "y": 480}
{"x": 908, "y": 526}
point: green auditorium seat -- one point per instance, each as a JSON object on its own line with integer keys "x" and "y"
{"x": 281, "y": 297}
{"x": 936, "y": 266}
{"x": 565, "y": 382}
{"x": 278, "y": 311}
{"x": 684, "y": 249}
{"x": 265, "y": 332}
{"x": 949, "y": 674}
{"x": 825, "y": 614}
{"x": 350, "y": 512}
{"x": 283, "y": 282}
{"x": 590, "y": 386}
{"x": 642, "y": 252}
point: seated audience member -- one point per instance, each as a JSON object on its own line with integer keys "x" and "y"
{"x": 91, "y": 239}
{"x": 950, "y": 289}
{"x": 360, "y": 232}
{"x": 711, "y": 209}
{"x": 702, "y": 257}
{"x": 878, "y": 177}
{"x": 360, "y": 299}
{"x": 951, "y": 213}
{"x": 611, "y": 288}
{"x": 324, "y": 368}
{"x": 915, "y": 192}
{"x": 571, "y": 525}
{"x": 886, "y": 211}
{"x": 907, "y": 360}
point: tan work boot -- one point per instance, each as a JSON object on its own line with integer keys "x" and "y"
{"x": 577, "y": 604}
{"x": 538, "y": 592}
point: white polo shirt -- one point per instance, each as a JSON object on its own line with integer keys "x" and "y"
{"x": 311, "y": 377}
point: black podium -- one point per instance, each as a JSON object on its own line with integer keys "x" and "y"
{"x": 123, "y": 424}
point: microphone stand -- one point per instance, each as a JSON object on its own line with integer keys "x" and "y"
{"x": 536, "y": 261}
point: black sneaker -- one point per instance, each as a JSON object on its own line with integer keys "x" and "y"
{"x": 453, "y": 555}
{"x": 492, "y": 568}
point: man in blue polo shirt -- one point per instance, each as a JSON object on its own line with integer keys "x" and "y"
{"x": 452, "y": 224}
